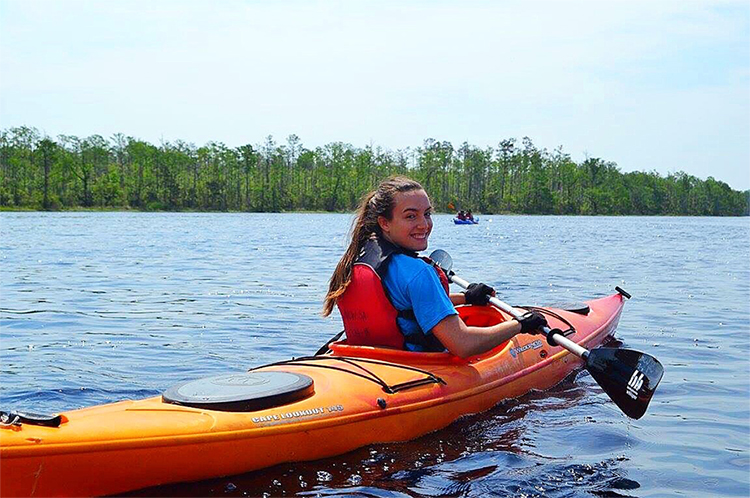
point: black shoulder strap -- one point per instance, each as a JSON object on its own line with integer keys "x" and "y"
{"x": 377, "y": 252}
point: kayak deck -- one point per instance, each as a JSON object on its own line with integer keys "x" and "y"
{"x": 362, "y": 395}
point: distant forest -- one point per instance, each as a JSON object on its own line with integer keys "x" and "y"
{"x": 68, "y": 172}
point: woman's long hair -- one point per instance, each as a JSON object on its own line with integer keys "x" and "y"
{"x": 379, "y": 202}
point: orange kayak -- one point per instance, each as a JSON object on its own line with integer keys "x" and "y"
{"x": 302, "y": 409}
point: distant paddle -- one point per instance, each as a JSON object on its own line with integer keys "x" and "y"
{"x": 628, "y": 377}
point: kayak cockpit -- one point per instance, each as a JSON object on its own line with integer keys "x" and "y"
{"x": 477, "y": 316}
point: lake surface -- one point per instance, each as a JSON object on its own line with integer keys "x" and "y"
{"x": 99, "y": 307}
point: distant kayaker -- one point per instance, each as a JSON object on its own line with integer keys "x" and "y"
{"x": 461, "y": 215}
{"x": 469, "y": 216}
{"x": 390, "y": 297}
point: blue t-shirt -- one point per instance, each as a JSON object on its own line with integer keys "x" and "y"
{"x": 414, "y": 285}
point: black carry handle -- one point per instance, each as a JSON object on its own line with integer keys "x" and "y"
{"x": 18, "y": 418}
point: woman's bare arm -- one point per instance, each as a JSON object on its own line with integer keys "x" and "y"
{"x": 464, "y": 340}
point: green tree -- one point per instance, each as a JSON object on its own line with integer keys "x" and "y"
{"x": 46, "y": 152}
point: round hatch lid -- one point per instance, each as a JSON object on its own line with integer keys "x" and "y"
{"x": 241, "y": 392}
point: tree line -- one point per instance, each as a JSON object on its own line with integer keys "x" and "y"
{"x": 122, "y": 172}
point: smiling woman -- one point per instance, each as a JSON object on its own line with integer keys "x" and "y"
{"x": 390, "y": 297}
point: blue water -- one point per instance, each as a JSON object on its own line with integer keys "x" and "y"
{"x": 98, "y": 307}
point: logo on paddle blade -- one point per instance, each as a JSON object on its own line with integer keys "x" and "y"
{"x": 634, "y": 384}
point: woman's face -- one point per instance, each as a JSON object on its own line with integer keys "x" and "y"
{"x": 411, "y": 223}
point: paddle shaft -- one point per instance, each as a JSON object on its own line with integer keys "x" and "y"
{"x": 552, "y": 337}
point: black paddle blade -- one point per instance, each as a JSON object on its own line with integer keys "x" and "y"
{"x": 628, "y": 377}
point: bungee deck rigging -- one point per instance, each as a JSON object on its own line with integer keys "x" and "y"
{"x": 314, "y": 361}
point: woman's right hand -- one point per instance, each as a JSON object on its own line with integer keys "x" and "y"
{"x": 532, "y": 322}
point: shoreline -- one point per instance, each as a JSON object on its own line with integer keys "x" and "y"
{"x": 189, "y": 211}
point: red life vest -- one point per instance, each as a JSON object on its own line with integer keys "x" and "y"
{"x": 368, "y": 314}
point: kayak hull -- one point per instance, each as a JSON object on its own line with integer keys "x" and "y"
{"x": 130, "y": 445}
{"x": 465, "y": 222}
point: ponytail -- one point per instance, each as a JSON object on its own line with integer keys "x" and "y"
{"x": 379, "y": 202}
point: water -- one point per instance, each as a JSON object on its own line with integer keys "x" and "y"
{"x": 98, "y": 307}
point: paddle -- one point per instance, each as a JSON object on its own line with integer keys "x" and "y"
{"x": 628, "y": 377}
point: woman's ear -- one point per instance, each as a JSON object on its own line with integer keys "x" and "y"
{"x": 384, "y": 224}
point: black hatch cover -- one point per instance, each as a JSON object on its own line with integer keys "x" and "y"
{"x": 580, "y": 308}
{"x": 241, "y": 392}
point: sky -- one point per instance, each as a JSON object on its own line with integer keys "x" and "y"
{"x": 651, "y": 85}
